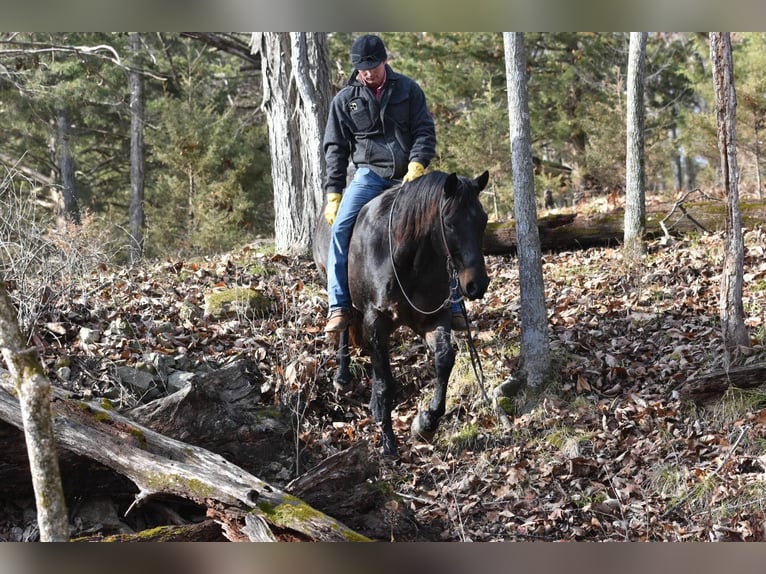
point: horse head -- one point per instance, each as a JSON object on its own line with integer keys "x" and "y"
{"x": 463, "y": 224}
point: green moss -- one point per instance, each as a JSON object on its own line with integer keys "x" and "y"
{"x": 158, "y": 532}
{"x": 107, "y": 405}
{"x": 169, "y": 483}
{"x": 139, "y": 434}
{"x": 508, "y": 405}
{"x": 293, "y": 509}
{"x": 236, "y": 302}
{"x": 102, "y": 417}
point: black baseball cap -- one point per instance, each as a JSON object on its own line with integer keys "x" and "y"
{"x": 368, "y": 52}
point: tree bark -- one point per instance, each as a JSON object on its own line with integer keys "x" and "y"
{"x": 296, "y": 99}
{"x": 135, "y": 84}
{"x": 731, "y": 308}
{"x": 635, "y": 186}
{"x": 535, "y": 351}
{"x": 66, "y": 167}
{"x": 223, "y": 411}
{"x": 249, "y": 508}
{"x": 33, "y": 390}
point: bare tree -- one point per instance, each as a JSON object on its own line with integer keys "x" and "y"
{"x": 34, "y": 390}
{"x": 535, "y": 346}
{"x": 136, "y": 87}
{"x": 66, "y": 168}
{"x": 635, "y": 178}
{"x": 296, "y": 98}
{"x": 731, "y": 309}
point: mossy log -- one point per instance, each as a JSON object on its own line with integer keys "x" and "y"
{"x": 713, "y": 385}
{"x": 571, "y": 231}
{"x": 248, "y": 507}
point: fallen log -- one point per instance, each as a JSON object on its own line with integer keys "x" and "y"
{"x": 713, "y": 385}
{"x": 206, "y": 531}
{"x": 345, "y": 483}
{"x": 248, "y": 507}
{"x": 571, "y": 231}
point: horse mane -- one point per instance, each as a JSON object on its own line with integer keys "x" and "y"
{"x": 417, "y": 206}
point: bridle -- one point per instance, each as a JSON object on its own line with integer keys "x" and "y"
{"x": 451, "y": 269}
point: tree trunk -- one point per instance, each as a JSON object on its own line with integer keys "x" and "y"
{"x": 731, "y": 309}
{"x": 757, "y": 148}
{"x": 135, "y": 83}
{"x": 66, "y": 167}
{"x": 33, "y": 390}
{"x": 635, "y": 179}
{"x": 535, "y": 352}
{"x": 296, "y": 98}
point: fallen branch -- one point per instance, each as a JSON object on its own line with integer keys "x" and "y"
{"x": 679, "y": 205}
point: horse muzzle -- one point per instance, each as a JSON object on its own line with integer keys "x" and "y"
{"x": 473, "y": 282}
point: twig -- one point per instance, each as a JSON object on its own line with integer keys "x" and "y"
{"x": 742, "y": 432}
{"x": 679, "y": 205}
{"x": 684, "y": 498}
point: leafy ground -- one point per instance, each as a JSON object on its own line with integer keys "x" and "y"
{"x": 609, "y": 452}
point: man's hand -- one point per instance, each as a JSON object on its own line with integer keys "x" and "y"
{"x": 414, "y": 171}
{"x": 331, "y": 209}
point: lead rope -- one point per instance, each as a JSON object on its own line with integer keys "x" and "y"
{"x": 478, "y": 372}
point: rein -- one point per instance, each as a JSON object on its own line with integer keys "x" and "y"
{"x": 450, "y": 265}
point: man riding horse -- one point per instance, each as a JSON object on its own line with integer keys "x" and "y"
{"x": 380, "y": 120}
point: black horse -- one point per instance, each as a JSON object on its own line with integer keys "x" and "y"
{"x": 408, "y": 244}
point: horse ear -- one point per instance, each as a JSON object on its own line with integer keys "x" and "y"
{"x": 450, "y": 186}
{"x": 482, "y": 180}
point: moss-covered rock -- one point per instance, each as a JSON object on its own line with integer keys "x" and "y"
{"x": 236, "y": 302}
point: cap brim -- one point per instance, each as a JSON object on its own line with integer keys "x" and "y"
{"x": 367, "y": 65}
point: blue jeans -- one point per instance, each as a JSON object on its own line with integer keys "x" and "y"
{"x": 364, "y": 186}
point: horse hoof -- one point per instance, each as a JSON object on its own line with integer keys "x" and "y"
{"x": 389, "y": 446}
{"x": 418, "y": 430}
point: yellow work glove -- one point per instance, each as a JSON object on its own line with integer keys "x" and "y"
{"x": 414, "y": 171}
{"x": 331, "y": 209}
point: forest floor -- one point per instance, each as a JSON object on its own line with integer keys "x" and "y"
{"x": 609, "y": 452}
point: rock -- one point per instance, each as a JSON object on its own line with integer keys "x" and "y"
{"x": 88, "y": 335}
{"x": 140, "y": 381}
{"x": 236, "y": 302}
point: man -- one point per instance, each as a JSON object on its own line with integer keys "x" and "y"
{"x": 380, "y": 120}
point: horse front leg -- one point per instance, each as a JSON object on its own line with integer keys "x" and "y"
{"x": 343, "y": 374}
{"x": 425, "y": 423}
{"x": 383, "y": 390}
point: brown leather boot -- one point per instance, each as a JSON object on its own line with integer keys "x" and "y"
{"x": 338, "y": 320}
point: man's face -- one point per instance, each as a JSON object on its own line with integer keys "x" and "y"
{"x": 374, "y": 76}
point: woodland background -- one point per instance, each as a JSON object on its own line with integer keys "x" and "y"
{"x": 615, "y": 450}
{"x": 66, "y": 123}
